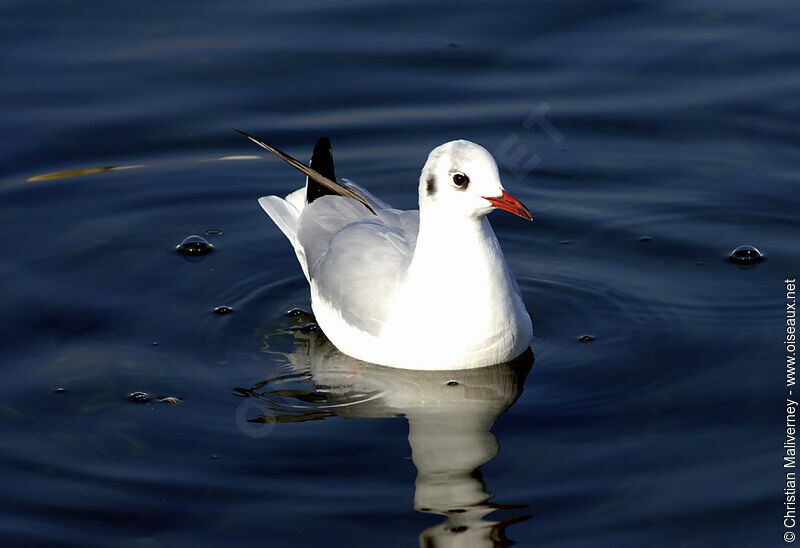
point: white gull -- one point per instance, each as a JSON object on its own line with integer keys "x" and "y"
{"x": 427, "y": 289}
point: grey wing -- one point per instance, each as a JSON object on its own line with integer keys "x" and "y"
{"x": 357, "y": 260}
{"x": 376, "y": 203}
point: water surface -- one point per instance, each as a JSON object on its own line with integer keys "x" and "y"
{"x": 648, "y": 141}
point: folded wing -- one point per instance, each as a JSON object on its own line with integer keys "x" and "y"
{"x": 355, "y": 260}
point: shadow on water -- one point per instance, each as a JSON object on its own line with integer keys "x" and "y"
{"x": 450, "y": 416}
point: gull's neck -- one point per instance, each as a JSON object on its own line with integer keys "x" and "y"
{"x": 458, "y": 268}
{"x": 448, "y": 241}
{"x": 457, "y": 303}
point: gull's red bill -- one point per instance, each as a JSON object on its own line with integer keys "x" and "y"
{"x": 509, "y": 203}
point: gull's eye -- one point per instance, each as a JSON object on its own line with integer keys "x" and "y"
{"x": 460, "y": 180}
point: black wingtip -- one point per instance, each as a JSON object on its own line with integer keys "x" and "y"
{"x": 322, "y": 163}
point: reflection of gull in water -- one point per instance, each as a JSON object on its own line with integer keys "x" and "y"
{"x": 450, "y": 415}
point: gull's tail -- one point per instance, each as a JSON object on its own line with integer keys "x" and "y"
{"x": 320, "y": 181}
{"x": 331, "y": 184}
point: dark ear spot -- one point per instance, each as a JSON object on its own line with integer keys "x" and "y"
{"x": 430, "y": 185}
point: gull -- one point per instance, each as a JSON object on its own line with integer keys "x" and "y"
{"x": 427, "y": 289}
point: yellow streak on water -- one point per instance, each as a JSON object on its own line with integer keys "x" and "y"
{"x": 77, "y": 172}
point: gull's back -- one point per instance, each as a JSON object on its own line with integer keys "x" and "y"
{"x": 356, "y": 260}
{"x": 353, "y": 259}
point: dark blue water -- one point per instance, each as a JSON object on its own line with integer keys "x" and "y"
{"x": 648, "y": 141}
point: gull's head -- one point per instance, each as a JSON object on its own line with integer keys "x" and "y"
{"x": 461, "y": 178}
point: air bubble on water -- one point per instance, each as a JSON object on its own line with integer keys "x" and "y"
{"x": 452, "y": 383}
{"x": 214, "y": 232}
{"x": 223, "y": 309}
{"x": 194, "y": 245}
{"x": 139, "y": 397}
{"x": 746, "y": 254}
{"x": 585, "y": 338}
{"x": 295, "y": 312}
{"x": 645, "y": 239}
